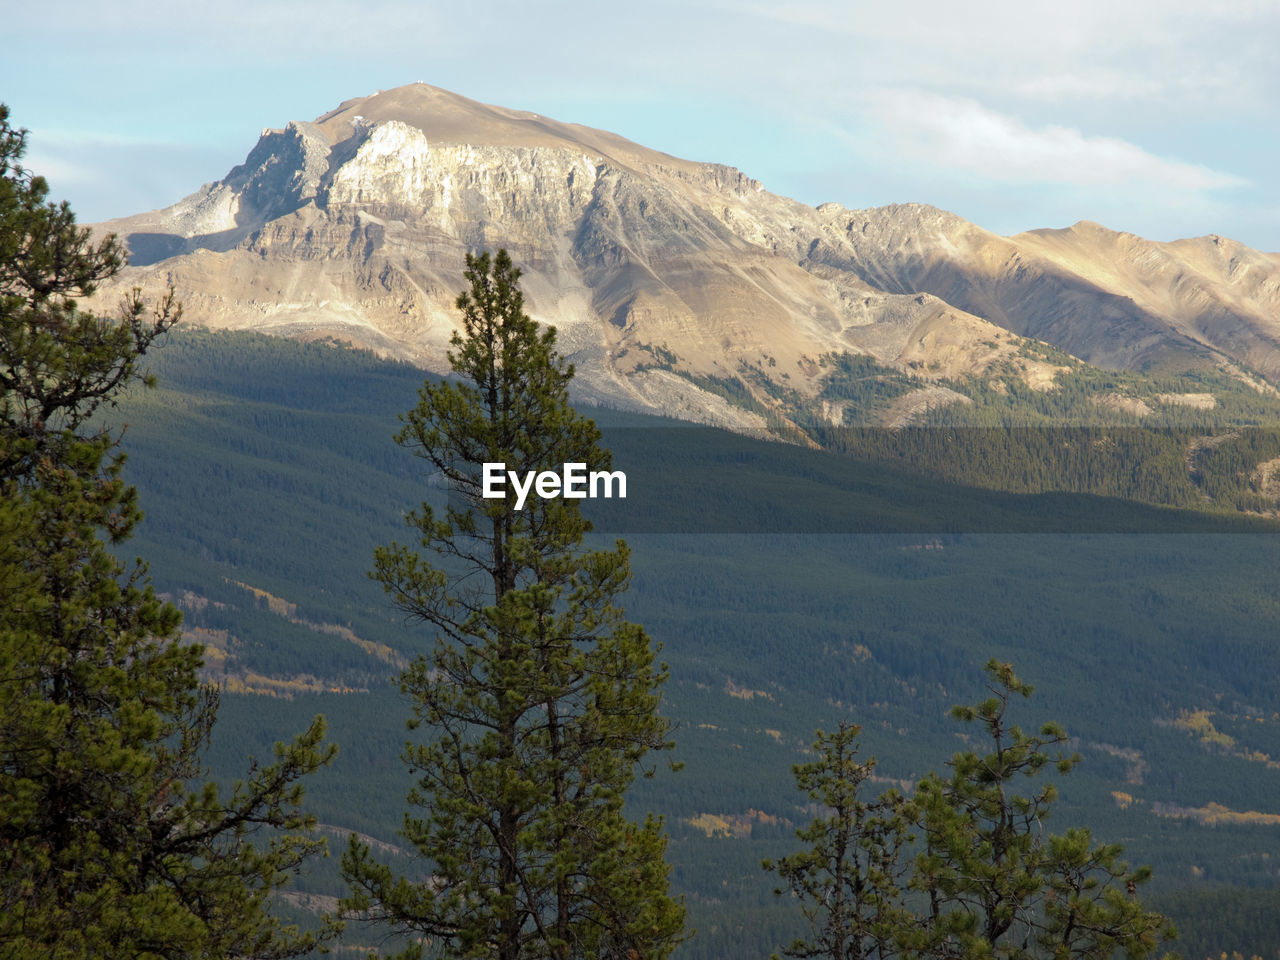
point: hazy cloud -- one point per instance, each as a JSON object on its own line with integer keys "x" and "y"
{"x": 1171, "y": 52}
{"x": 105, "y": 176}
{"x": 963, "y": 137}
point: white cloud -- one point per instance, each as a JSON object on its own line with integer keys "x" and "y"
{"x": 1172, "y": 52}
{"x": 109, "y": 175}
{"x": 951, "y": 136}
{"x": 60, "y": 170}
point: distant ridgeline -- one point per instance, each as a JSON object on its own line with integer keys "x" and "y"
{"x": 1127, "y": 571}
{"x": 1203, "y": 440}
{"x": 1191, "y": 439}
{"x": 1219, "y": 467}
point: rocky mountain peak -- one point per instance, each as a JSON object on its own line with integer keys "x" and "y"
{"x": 676, "y": 286}
{"x": 447, "y": 118}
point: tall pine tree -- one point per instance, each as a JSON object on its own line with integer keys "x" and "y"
{"x": 995, "y": 884}
{"x": 848, "y": 879}
{"x": 539, "y": 699}
{"x": 109, "y": 844}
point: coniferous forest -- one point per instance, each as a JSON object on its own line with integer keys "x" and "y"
{"x": 793, "y": 712}
{"x": 1143, "y": 626}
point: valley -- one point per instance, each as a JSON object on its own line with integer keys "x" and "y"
{"x": 821, "y": 587}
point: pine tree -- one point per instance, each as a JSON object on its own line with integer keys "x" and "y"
{"x": 109, "y": 845}
{"x": 58, "y": 363}
{"x": 995, "y": 884}
{"x": 539, "y": 699}
{"x": 985, "y": 881}
{"x": 848, "y": 880}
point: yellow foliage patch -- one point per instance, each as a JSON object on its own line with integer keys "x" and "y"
{"x": 379, "y": 650}
{"x": 1199, "y": 723}
{"x": 745, "y": 693}
{"x": 275, "y": 604}
{"x": 216, "y": 644}
{"x": 285, "y": 687}
{"x": 219, "y": 656}
{"x": 733, "y": 824}
{"x": 1215, "y": 813}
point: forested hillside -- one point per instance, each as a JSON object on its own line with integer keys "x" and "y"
{"x": 791, "y": 588}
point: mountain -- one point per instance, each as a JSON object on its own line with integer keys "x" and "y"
{"x": 1112, "y": 299}
{"x": 679, "y": 287}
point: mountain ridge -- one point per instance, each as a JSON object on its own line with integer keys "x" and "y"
{"x": 673, "y": 283}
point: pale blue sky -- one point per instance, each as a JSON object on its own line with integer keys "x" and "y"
{"x": 1161, "y": 117}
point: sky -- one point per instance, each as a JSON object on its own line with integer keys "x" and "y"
{"x": 1158, "y": 117}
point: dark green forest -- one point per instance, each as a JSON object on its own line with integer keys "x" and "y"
{"x": 1127, "y": 572}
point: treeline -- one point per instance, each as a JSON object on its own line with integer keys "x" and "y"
{"x": 1178, "y": 467}
{"x": 1206, "y": 400}
{"x": 1193, "y": 440}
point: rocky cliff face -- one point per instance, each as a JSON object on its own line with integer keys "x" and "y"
{"x": 660, "y": 273}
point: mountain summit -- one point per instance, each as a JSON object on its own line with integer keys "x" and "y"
{"x": 679, "y": 287}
